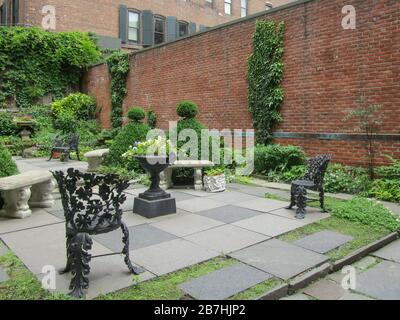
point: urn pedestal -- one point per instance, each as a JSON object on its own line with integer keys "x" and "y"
{"x": 154, "y": 202}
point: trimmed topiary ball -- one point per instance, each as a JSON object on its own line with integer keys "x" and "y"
{"x": 187, "y": 109}
{"x": 136, "y": 114}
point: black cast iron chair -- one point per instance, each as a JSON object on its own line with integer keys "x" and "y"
{"x": 92, "y": 205}
{"x": 313, "y": 180}
{"x": 65, "y": 147}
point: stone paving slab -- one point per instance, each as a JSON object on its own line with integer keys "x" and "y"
{"x": 323, "y": 241}
{"x": 263, "y": 205}
{"x": 3, "y": 249}
{"x": 279, "y": 258}
{"x": 229, "y": 213}
{"x": 132, "y": 219}
{"x": 269, "y": 224}
{"x": 381, "y": 281}
{"x": 354, "y": 296}
{"x": 312, "y": 215}
{"x": 390, "y": 252}
{"x": 199, "y": 204}
{"x": 326, "y": 290}
{"x": 43, "y": 246}
{"x": 197, "y": 193}
{"x": 226, "y": 238}
{"x": 140, "y": 236}
{"x": 38, "y": 218}
{"x": 186, "y": 224}
{"x": 181, "y": 196}
{"x": 224, "y": 283}
{"x": 232, "y": 197}
{"x": 298, "y": 296}
{"x": 251, "y": 190}
{"x": 171, "y": 256}
{"x": 3, "y": 275}
{"x": 107, "y": 274}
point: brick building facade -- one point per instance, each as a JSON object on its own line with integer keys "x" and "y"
{"x": 327, "y": 69}
{"x": 135, "y": 23}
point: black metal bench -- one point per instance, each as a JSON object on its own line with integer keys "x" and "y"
{"x": 313, "y": 180}
{"x": 65, "y": 147}
{"x": 92, "y": 205}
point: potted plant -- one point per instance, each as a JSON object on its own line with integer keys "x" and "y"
{"x": 214, "y": 180}
{"x": 154, "y": 156}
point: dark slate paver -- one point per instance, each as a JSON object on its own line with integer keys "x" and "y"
{"x": 3, "y": 275}
{"x": 390, "y": 252}
{"x": 279, "y": 258}
{"x": 229, "y": 214}
{"x": 224, "y": 283}
{"x": 139, "y": 237}
{"x": 381, "y": 281}
{"x": 323, "y": 241}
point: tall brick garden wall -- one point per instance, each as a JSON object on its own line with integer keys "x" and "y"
{"x": 327, "y": 69}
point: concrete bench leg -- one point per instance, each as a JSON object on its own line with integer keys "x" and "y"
{"x": 16, "y": 203}
{"x": 166, "y": 179}
{"x": 42, "y": 195}
{"x": 198, "y": 179}
{"x": 94, "y": 163}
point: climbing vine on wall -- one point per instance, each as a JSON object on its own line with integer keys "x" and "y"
{"x": 265, "y": 74}
{"x": 118, "y": 65}
{"x": 34, "y": 63}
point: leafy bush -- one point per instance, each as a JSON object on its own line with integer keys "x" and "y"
{"x": 385, "y": 189}
{"x": 15, "y": 145}
{"x": 7, "y": 164}
{"x": 151, "y": 119}
{"x": 65, "y": 121}
{"x": 7, "y": 125}
{"x": 123, "y": 141}
{"x": 391, "y": 171}
{"x": 34, "y": 62}
{"x": 41, "y": 114}
{"x": 277, "y": 158}
{"x": 187, "y": 109}
{"x": 339, "y": 178}
{"x": 294, "y": 173}
{"x": 367, "y": 212}
{"x": 79, "y": 105}
{"x": 136, "y": 114}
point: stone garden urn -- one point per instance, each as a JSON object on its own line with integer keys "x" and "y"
{"x": 154, "y": 202}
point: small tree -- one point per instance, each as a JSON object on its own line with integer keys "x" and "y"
{"x": 369, "y": 122}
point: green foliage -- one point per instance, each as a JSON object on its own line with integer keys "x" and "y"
{"x": 118, "y": 66}
{"x": 7, "y": 164}
{"x": 129, "y": 134}
{"x": 34, "y": 63}
{"x": 7, "y": 124}
{"x": 214, "y": 171}
{"x": 277, "y": 158}
{"x": 151, "y": 118}
{"x": 385, "y": 189}
{"x": 187, "y": 109}
{"x": 339, "y": 178}
{"x": 79, "y": 105}
{"x": 367, "y": 212}
{"x": 65, "y": 121}
{"x": 265, "y": 74}
{"x": 391, "y": 171}
{"x": 41, "y": 114}
{"x": 136, "y": 114}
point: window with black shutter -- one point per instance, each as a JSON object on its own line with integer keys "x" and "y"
{"x": 159, "y": 29}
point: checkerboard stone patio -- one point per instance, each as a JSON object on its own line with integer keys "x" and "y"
{"x": 205, "y": 226}
{"x": 224, "y": 283}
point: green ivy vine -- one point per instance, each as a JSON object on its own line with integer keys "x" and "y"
{"x": 118, "y": 66}
{"x": 34, "y": 63}
{"x": 265, "y": 74}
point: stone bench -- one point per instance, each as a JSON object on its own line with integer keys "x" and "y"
{"x": 198, "y": 165}
{"x": 24, "y": 191}
{"x": 95, "y": 158}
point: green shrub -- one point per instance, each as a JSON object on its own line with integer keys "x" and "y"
{"x": 41, "y": 114}
{"x": 385, "y": 189}
{"x": 81, "y": 106}
{"x": 123, "y": 141}
{"x": 277, "y": 158}
{"x": 66, "y": 121}
{"x": 367, "y": 212}
{"x": 339, "y": 178}
{"x": 187, "y": 109}
{"x": 391, "y": 171}
{"x": 89, "y": 132}
{"x": 7, "y": 124}
{"x": 136, "y": 114}
{"x": 294, "y": 173}
{"x": 7, "y": 164}
{"x": 151, "y": 119}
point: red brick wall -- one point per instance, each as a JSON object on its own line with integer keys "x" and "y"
{"x": 326, "y": 70}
